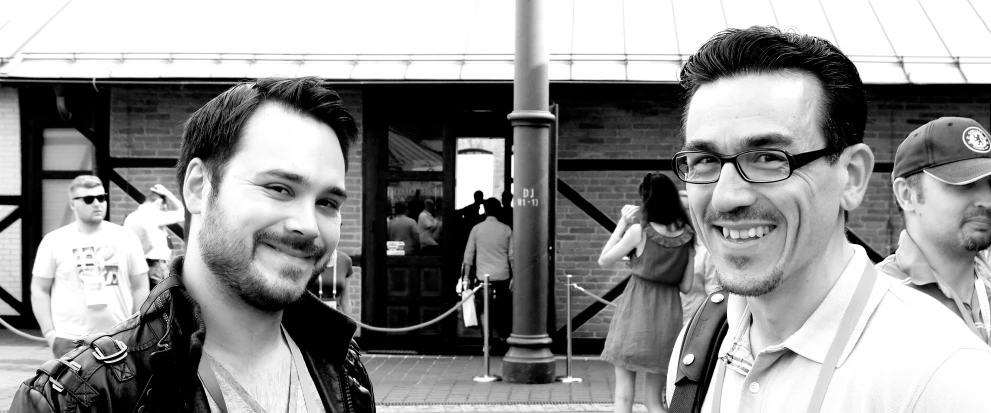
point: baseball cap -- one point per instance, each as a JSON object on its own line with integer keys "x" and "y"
{"x": 956, "y": 151}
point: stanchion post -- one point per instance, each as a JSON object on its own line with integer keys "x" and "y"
{"x": 567, "y": 311}
{"x": 486, "y": 377}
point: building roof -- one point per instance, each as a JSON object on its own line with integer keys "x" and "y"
{"x": 892, "y": 41}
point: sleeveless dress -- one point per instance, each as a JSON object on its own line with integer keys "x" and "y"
{"x": 647, "y": 319}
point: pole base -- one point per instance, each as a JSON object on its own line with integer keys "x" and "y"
{"x": 568, "y": 379}
{"x": 487, "y": 378}
{"x": 529, "y": 366}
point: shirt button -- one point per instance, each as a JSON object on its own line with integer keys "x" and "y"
{"x": 754, "y": 387}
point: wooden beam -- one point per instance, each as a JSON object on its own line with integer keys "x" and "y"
{"x": 585, "y": 165}
{"x": 10, "y": 199}
{"x": 12, "y": 217}
{"x": 11, "y": 301}
{"x": 564, "y": 189}
{"x": 131, "y": 162}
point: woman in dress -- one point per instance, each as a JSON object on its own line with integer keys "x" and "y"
{"x": 658, "y": 238}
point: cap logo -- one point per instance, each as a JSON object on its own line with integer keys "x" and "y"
{"x": 977, "y": 139}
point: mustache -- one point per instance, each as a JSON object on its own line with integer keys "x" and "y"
{"x": 749, "y": 213}
{"x": 306, "y": 245}
{"x": 979, "y": 212}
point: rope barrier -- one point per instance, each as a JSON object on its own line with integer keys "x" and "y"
{"x": 600, "y": 299}
{"x": 21, "y": 333}
{"x": 421, "y": 325}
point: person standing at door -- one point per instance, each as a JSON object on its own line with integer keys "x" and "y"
{"x": 88, "y": 275}
{"x": 403, "y": 228}
{"x": 148, "y": 222}
{"x": 261, "y": 171}
{"x": 331, "y": 286}
{"x": 490, "y": 250}
{"x": 659, "y": 240}
{"x": 429, "y": 227}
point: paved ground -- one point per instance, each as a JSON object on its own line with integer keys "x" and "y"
{"x": 406, "y": 384}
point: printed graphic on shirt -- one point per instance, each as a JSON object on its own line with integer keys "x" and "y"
{"x": 98, "y": 271}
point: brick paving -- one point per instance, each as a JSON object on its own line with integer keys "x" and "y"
{"x": 407, "y": 384}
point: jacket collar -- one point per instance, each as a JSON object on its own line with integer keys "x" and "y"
{"x": 317, "y": 329}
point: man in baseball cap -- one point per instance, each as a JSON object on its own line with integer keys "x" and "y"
{"x": 941, "y": 182}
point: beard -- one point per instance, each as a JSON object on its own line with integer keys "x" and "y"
{"x": 749, "y": 287}
{"x": 975, "y": 240}
{"x": 230, "y": 257}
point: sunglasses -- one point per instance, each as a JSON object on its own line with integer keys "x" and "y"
{"x": 89, "y": 198}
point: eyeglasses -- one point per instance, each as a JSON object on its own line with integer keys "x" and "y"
{"x": 755, "y": 165}
{"x": 89, "y": 198}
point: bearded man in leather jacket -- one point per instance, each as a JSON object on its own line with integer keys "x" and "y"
{"x": 261, "y": 173}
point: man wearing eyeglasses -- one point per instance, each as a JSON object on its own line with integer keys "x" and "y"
{"x": 88, "y": 275}
{"x": 774, "y": 159}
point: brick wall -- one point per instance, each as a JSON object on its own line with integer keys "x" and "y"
{"x": 146, "y": 121}
{"x": 10, "y": 184}
{"x": 643, "y": 121}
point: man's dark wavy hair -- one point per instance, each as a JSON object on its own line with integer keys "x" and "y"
{"x": 213, "y": 132}
{"x": 737, "y": 52}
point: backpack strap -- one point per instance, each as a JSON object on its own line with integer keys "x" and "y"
{"x": 699, "y": 352}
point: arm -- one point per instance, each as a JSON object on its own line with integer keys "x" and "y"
{"x": 415, "y": 236}
{"x": 686, "y": 280}
{"x": 469, "y": 258}
{"x": 138, "y": 272}
{"x": 621, "y": 242}
{"x": 41, "y": 304}
{"x": 174, "y": 216}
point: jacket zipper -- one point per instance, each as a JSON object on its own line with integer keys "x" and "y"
{"x": 347, "y": 390}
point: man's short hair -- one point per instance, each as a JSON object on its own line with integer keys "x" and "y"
{"x": 213, "y": 132}
{"x": 84, "y": 181}
{"x": 401, "y": 208}
{"x": 492, "y": 206}
{"x": 737, "y": 52}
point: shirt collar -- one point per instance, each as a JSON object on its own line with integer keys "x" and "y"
{"x": 813, "y": 339}
{"x": 913, "y": 265}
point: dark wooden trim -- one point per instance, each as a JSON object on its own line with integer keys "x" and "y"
{"x": 552, "y": 219}
{"x": 874, "y": 256}
{"x": 104, "y": 167}
{"x": 585, "y": 165}
{"x": 374, "y": 160}
{"x": 63, "y": 174}
{"x": 126, "y": 186}
{"x": 131, "y": 162}
{"x": 416, "y": 176}
{"x": 10, "y": 199}
{"x": 11, "y": 301}
{"x": 590, "y": 311}
{"x": 564, "y": 189}
{"x": 12, "y": 217}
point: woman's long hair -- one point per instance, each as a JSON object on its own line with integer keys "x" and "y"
{"x": 661, "y": 201}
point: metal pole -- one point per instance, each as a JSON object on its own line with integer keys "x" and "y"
{"x": 529, "y": 359}
{"x": 567, "y": 369}
{"x": 486, "y": 377}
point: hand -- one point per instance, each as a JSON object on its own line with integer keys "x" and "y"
{"x": 510, "y": 285}
{"x": 629, "y": 214}
{"x": 161, "y": 190}
{"x": 50, "y": 337}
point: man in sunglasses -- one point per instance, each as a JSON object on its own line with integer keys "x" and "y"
{"x": 88, "y": 275}
{"x": 774, "y": 159}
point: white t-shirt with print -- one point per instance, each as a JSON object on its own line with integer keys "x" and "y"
{"x": 92, "y": 288}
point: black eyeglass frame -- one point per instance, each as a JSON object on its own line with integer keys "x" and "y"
{"x": 795, "y": 161}
{"x": 102, "y": 198}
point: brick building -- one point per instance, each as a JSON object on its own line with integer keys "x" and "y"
{"x": 92, "y": 101}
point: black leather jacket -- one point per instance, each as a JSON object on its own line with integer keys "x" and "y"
{"x": 148, "y": 363}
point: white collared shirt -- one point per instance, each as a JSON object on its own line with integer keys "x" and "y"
{"x": 908, "y": 354}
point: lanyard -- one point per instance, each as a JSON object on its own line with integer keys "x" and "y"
{"x": 333, "y": 266}
{"x": 209, "y": 380}
{"x": 853, "y": 313}
{"x": 968, "y": 318}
